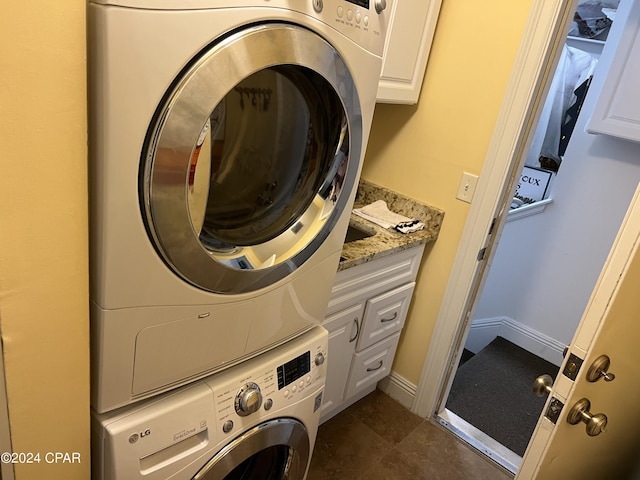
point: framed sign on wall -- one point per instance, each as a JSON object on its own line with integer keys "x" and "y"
{"x": 533, "y": 184}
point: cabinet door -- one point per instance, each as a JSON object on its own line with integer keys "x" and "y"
{"x": 372, "y": 365}
{"x": 343, "y": 330}
{"x": 385, "y": 315}
{"x": 404, "y": 60}
{"x": 617, "y": 110}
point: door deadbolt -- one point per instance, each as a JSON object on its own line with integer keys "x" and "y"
{"x": 599, "y": 369}
{"x": 596, "y": 423}
{"x": 542, "y": 385}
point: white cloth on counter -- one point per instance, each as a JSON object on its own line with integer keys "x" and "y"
{"x": 378, "y": 212}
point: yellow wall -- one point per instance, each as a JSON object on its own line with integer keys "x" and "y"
{"x": 422, "y": 151}
{"x": 43, "y": 233}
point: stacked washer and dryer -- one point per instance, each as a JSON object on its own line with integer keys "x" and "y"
{"x": 226, "y": 141}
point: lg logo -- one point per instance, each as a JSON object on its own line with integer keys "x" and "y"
{"x": 136, "y": 436}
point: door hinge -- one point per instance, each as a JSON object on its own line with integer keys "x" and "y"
{"x": 482, "y": 251}
{"x": 493, "y": 224}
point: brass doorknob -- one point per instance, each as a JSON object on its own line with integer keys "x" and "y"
{"x": 542, "y": 385}
{"x": 596, "y": 424}
{"x": 599, "y": 369}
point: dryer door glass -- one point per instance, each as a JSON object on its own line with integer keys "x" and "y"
{"x": 274, "y": 450}
{"x": 263, "y": 156}
{"x": 251, "y": 159}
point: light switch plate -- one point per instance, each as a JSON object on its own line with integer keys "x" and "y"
{"x": 467, "y": 187}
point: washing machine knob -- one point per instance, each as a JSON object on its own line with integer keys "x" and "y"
{"x": 380, "y": 5}
{"x": 319, "y": 360}
{"x": 248, "y": 399}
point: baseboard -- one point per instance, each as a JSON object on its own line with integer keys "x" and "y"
{"x": 399, "y": 388}
{"x": 484, "y": 330}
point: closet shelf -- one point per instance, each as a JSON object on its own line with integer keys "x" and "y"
{"x": 528, "y": 210}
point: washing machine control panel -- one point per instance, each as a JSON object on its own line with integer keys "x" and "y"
{"x": 270, "y": 382}
{"x": 248, "y": 399}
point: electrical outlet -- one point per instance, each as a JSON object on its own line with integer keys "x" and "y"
{"x": 467, "y": 187}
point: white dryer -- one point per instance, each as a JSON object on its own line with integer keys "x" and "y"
{"x": 226, "y": 140}
{"x": 257, "y": 420}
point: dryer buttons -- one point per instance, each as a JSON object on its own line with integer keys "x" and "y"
{"x": 227, "y": 426}
{"x": 248, "y": 399}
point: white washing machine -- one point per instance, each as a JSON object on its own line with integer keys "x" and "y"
{"x": 257, "y": 420}
{"x": 226, "y": 140}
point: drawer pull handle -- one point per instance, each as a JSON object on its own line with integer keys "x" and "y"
{"x": 395, "y": 315}
{"x": 351, "y": 340}
{"x": 376, "y": 368}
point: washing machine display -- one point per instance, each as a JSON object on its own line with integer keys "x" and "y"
{"x": 242, "y": 175}
{"x": 237, "y": 424}
{"x": 226, "y": 139}
{"x": 293, "y": 370}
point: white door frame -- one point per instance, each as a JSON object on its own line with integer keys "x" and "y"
{"x": 534, "y": 67}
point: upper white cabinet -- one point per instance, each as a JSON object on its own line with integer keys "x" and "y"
{"x": 617, "y": 110}
{"x": 406, "y": 50}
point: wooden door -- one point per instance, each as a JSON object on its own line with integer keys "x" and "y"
{"x": 610, "y": 326}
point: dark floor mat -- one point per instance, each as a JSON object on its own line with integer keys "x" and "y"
{"x": 493, "y": 392}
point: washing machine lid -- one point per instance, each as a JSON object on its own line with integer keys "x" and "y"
{"x": 251, "y": 158}
{"x": 277, "y": 449}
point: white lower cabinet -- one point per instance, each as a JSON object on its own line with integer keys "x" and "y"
{"x": 343, "y": 330}
{"x": 367, "y": 310}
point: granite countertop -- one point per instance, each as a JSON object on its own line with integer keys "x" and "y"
{"x": 383, "y": 241}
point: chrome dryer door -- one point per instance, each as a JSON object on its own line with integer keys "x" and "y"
{"x": 251, "y": 158}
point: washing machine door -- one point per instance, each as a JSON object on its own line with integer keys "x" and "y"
{"x": 251, "y": 158}
{"x": 274, "y": 450}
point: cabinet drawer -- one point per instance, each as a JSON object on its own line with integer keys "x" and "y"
{"x": 361, "y": 282}
{"x": 372, "y": 365}
{"x": 384, "y": 315}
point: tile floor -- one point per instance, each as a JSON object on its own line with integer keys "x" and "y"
{"x": 377, "y": 438}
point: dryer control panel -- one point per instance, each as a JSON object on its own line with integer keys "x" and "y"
{"x": 363, "y": 21}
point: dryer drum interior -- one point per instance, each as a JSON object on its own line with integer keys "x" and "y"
{"x": 245, "y": 166}
{"x": 274, "y": 450}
